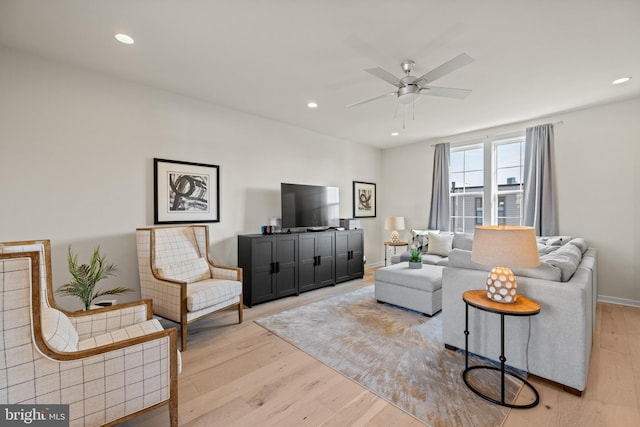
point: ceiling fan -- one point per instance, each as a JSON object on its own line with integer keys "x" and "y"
{"x": 409, "y": 87}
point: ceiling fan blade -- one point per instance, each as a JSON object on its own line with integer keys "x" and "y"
{"x": 448, "y": 92}
{"x": 384, "y": 75}
{"x": 444, "y": 69}
{"x": 370, "y": 99}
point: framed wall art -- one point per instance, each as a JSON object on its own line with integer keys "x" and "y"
{"x": 185, "y": 192}
{"x": 364, "y": 199}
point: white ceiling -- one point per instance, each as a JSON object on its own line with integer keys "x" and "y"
{"x": 269, "y": 58}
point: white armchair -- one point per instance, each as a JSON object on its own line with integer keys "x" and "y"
{"x": 177, "y": 274}
{"x": 108, "y": 364}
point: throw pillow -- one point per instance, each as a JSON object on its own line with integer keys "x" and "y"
{"x": 440, "y": 243}
{"x": 187, "y": 271}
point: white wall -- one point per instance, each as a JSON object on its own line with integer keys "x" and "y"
{"x": 597, "y": 153}
{"x": 76, "y": 163}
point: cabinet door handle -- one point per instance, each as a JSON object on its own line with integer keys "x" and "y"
{"x": 319, "y": 260}
{"x": 277, "y": 267}
{"x": 273, "y": 267}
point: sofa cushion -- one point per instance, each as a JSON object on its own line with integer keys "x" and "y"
{"x": 420, "y": 237}
{"x": 580, "y": 243}
{"x": 210, "y": 292}
{"x": 554, "y": 240}
{"x": 428, "y": 278}
{"x": 57, "y": 330}
{"x": 566, "y": 258}
{"x": 432, "y": 259}
{"x": 440, "y": 243}
{"x": 544, "y": 249}
{"x": 463, "y": 241}
{"x": 186, "y": 271}
{"x": 460, "y": 258}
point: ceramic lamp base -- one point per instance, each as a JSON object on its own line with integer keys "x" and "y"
{"x": 395, "y": 237}
{"x": 502, "y": 286}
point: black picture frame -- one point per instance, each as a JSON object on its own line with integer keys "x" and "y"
{"x": 364, "y": 199}
{"x": 185, "y": 192}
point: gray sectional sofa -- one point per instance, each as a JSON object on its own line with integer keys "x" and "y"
{"x": 554, "y": 344}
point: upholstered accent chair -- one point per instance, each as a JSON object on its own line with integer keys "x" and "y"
{"x": 178, "y": 275}
{"x": 107, "y": 364}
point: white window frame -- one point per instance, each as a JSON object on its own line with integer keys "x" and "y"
{"x": 490, "y": 177}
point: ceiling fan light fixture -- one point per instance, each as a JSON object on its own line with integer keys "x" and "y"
{"x": 408, "y": 98}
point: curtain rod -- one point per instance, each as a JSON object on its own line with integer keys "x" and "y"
{"x": 504, "y": 133}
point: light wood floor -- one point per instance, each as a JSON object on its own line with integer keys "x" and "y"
{"x": 241, "y": 375}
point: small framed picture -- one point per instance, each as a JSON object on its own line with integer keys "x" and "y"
{"x": 364, "y": 199}
{"x": 185, "y": 192}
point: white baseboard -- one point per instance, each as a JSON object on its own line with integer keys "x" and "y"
{"x": 377, "y": 264}
{"x": 620, "y": 301}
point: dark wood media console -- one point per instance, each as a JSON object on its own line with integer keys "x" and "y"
{"x": 279, "y": 265}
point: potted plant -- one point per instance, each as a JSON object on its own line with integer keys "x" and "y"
{"x": 415, "y": 259}
{"x": 85, "y": 278}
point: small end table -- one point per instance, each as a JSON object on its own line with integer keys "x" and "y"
{"x": 395, "y": 246}
{"x": 522, "y": 307}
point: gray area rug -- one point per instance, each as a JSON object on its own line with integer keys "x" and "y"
{"x": 395, "y": 353}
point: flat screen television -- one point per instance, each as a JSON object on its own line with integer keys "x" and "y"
{"x": 311, "y": 206}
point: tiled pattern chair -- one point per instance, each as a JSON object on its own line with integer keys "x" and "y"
{"x": 108, "y": 364}
{"x": 177, "y": 274}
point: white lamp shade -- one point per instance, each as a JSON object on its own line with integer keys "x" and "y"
{"x": 394, "y": 223}
{"x": 505, "y": 246}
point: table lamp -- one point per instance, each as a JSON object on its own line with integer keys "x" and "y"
{"x": 509, "y": 247}
{"x": 394, "y": 223}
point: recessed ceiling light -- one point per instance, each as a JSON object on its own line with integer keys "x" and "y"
{"x": 312, "y": 104}
{"x": 395, "y": 133}
{"x": 621, "y": 80}
{"x": 124, "y": 38}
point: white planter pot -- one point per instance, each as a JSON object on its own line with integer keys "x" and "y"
{"x": 415, "y": 264}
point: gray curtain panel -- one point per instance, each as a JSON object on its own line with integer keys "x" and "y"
{"x": 540, "y": 206}
{"x": 439, "y": 214}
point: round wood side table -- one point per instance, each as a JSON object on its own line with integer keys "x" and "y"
{"x": 522, "y": 307}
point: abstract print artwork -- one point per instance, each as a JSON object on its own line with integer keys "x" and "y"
{"x": 188, "y": 192}
{"x": 185, "y": 192}
{"x": 364, "y": 199}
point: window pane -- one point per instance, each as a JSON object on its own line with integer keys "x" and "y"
{"x": 509, "y": 155}
{"x": 474, "y": 159}
{"x": 456, "y": 181}
{"x": 466, "y": 212}
{"x": 509, "y": 176}
{"x": 456, "y": 161}
{"x": 474, "y": 181}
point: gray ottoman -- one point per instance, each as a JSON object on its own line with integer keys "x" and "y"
{"x": 417, "y": 289}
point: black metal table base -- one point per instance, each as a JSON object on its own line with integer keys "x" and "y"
{"x": 501, "y": 402}
{"x": 501, "y": 369}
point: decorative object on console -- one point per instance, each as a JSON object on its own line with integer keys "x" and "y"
{"x": 364, "y": 199}
{"x": 85, "y": 278}
{"x": 185, "y": 192}
{"x": 394, "y": 223}
{"x": 505, "y": 245}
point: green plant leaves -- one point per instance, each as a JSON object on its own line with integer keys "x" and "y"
{"x": 86, "y": 276}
